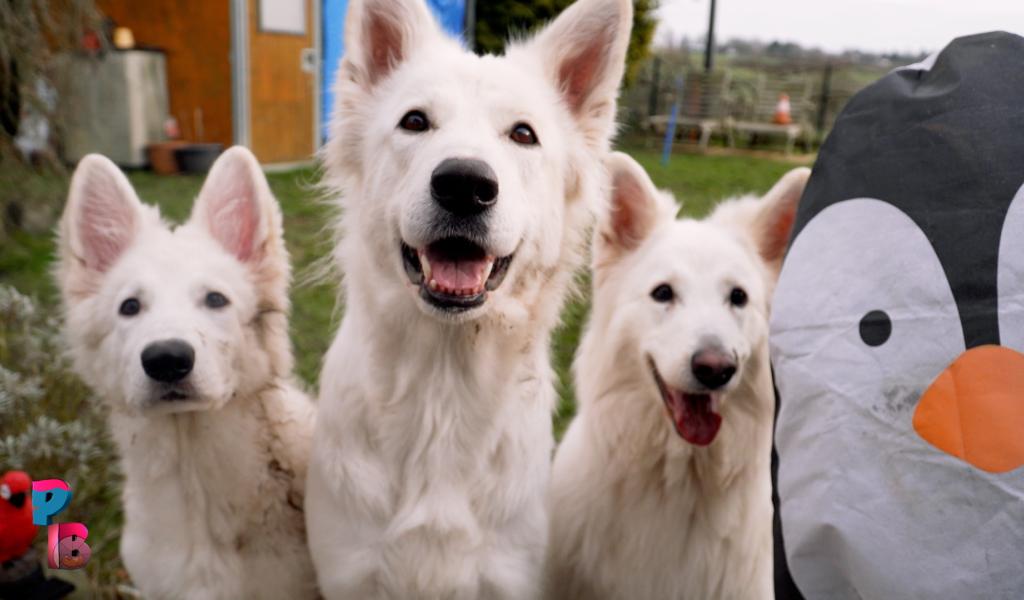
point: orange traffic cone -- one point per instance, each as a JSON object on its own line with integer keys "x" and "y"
{"x": 783, "y": 112}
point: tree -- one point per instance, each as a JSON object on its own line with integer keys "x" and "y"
{"x": 497, "y": 20}
{"x": 32, "y": 33}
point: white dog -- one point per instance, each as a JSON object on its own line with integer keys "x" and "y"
{"x": 184, "y": 334}
{"x": 661, "y": 487}
{"x": 467, "y": 184}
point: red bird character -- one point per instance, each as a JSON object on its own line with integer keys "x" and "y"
{"x": 16, "y": 528}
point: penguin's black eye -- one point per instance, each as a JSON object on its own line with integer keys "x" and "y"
{"x": 663, "y": 293}
{"x": 130, "y": 307}
{"x": 738, "y": 297}
{"x": 215, "y": 300}
{"x": 414, "y": 121}
{"x": 875, "y": 328}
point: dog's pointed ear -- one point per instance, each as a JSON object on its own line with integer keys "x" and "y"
{"x": 768, "y": 220}
{"x": 584, "y": 53}
{"x": 778, "y": 213}
{"x": 380, "y": 34}
{"x": 238, "y": 210}
{"x": 102, "y": 218}
{"x": 635, "y": 208}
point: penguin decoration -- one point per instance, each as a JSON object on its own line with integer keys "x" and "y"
{"x": 897, "y": 339}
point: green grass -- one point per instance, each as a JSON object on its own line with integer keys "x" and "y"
{"x": 25, "y": 260}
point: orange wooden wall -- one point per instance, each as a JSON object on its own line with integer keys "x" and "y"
{"x": 196, "y": 35}
{"x": 281, "y": 94}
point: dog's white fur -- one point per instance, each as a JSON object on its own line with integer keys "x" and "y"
{"x": 636, "y": 511}
{"x": 432, "y": 450}
{"x": 213, "y": 486}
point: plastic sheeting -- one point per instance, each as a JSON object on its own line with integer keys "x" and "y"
{"x": 897, "y": 339}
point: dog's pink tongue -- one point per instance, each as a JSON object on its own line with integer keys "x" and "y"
{"x": 694, "y": 420}
{"x": 457, "y": 274}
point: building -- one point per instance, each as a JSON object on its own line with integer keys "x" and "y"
{"x": 252, "y": 72}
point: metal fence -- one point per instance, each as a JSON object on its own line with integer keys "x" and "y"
{"x": 743, "y": 91}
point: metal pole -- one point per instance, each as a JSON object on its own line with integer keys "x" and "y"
{"x": 470, "y": 24}
{"x": 826, "y": 93}
{"x": 670, "y": 131}
{"x": 652, "y": 101}
{"x": 318, "y": 50}
{"x": 709, "y": 51}
{"x": 241, "y": 124}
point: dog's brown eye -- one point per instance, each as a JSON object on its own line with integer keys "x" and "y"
{"x": 130, "y": 307}
{"x": 523, "y": 134}
{"x": 414, "y": 121}
{"x": 738, "y": 297}
{"x": 663, "y": 293}
{"x": 216, "y": 300}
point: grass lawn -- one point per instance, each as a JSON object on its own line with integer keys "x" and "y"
{"x": 698, "y": 181}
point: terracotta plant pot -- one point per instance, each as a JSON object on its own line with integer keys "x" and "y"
{"x": 162, "y": 158}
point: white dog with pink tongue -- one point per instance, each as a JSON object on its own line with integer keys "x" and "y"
{"x": 467, "y": 186}
{"x": 661, "y": 487}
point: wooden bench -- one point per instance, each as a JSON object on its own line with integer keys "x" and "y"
{"x": 703, "y": 106}
{"x": 756, "y": 119}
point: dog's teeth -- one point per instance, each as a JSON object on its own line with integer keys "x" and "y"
{"x": 433, "y": 285}
{"x": 425, "y": 265}
{"x": 487, "y": 273}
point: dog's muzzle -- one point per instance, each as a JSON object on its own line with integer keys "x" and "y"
{"x": 694, "y": 415}
{"x": 465, "y": 187}
{"x": 455, "y": 272}
{"x": 167, "y": 363}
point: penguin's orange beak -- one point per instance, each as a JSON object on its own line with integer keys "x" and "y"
{"x": 974, "y": 409}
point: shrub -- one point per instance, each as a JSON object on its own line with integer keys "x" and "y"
{"x": 52, "y": 427}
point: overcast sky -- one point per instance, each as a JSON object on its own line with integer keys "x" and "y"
{"x": 834, "y": 25}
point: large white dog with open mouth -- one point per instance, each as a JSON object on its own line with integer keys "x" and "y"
{"x": 466, "y": 184}
{"x": 184, "y": 334}
{"x": 661, "y": 487}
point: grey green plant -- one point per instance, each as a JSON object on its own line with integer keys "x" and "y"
{"x": 52, "y": 427}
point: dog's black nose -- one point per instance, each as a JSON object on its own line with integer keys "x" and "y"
{"x": 713, "y": 368}
{"x": 168, "y": 361}
{"x": 464, "y": 186}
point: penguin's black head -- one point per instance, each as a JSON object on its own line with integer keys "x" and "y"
{"x": 903, "y": 288}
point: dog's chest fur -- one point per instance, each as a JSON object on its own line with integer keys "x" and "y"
{"x": 213, "y": 499}
{"x": 436, "y": 461}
